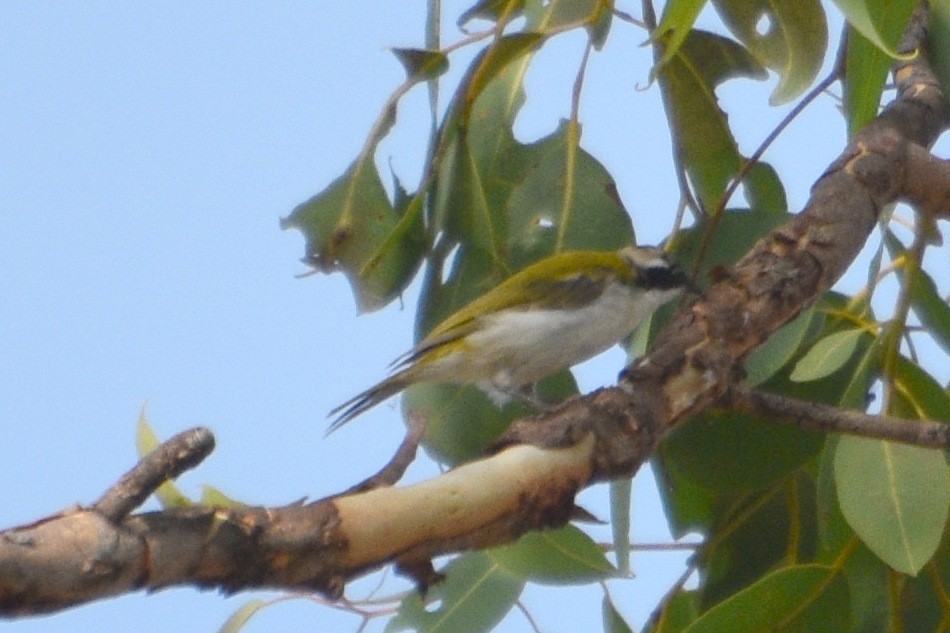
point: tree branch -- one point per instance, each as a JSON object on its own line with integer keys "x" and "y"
{"x": 821, "y": 417}
{"x": 530, "y": 480}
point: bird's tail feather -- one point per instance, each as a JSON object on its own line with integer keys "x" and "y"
{"x": 368, "y": 399}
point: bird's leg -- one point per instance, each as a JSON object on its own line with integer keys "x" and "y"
{"x": 528, "y": 394}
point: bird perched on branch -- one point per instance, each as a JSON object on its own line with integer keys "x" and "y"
{"x": 549, "y": 316}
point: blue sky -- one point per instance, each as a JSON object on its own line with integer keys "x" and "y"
{"x": 147, "y": 152}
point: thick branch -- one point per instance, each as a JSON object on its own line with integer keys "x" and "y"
{"x": 540, "y": 463}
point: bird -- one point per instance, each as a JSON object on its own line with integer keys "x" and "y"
{"x": 554, "y": 313}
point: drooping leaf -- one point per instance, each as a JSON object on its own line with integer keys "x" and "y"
{"x": 563, "y": 556}
{"x": 475, "y": 595}
{"x": 700, "y": 129}
{"x": 827, "y": 356}
{"x": 775, "y": 603}
{"x": 239, "y": 618}
{"x": 895, "y": 497}
{"x": 621, "y": 491}
{"x": 787, "y": 36}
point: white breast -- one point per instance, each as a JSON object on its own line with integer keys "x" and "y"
{"x": 516, "y": 347}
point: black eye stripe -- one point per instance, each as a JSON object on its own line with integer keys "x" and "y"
{"x": 663, "y": 277}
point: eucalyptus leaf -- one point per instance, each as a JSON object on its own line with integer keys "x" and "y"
{"x": 475, "y": 595}
{"x": 566, "y": 201}
{"x": 557, "y": 557}
{"x": 877, "y": 20}
{"x": 239, "y": 618}
{"x": 827, "y": 356}
{"x": 895, "y": 497}
{"x": 869, "y": 58}
{"x": 675, "y": 24}
{"x": 788, "y": 36}
{"x": 420, "y": 64}
{"x": 353, "y": 227}
{"x": 688, "y": 82}
{"x": 771, "y": 356}
{"x": 613, "y": 621}
{"x": 778, "y": 601}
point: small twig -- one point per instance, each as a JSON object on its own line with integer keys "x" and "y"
{"x": 173, "y": 457}
{"x": 821, "y": 417}
{"x": 396, "y": 467}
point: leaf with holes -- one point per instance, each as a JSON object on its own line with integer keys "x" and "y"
{"x": 787, "y": 36}
{"x": 566, "y": 201}
{"x": 475, "y": 595}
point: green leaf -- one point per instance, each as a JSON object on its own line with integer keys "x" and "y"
{"x": 211, "y": 496}
{"x": 620, "y": 500}
{"x": 867, "y": 576}
{"x": 239, "y": 618}
{"x": 566, "y": 201}
{"x": 489, "y": 64}
{"x": 827, "y": 356}
{"x": 420, "y": 64}
{"x": 787, "y": 36}
{"x": 895, "y": 497}
{"x": 775, "y": 602}
{"x": 725, "y": 451}
{"x": 613, "y": 621}
{"x": 736, "y": 231}
{"x": 492, "y": 10}
{"x": 931, "y": 309}
{"x": 938, "y": 43}
{"x": 764, "y": 190}
{"x": 554, "y": 557}
{"x": 352, "y": 226}
{"x": 867, "y": 60}
{"x": 878, "y": 20}
{"x": 675, "y": 24}
{"x": 168, "y": 494}
{"x": 699, "y": 126}
{"x": 917, "y": 395}
{"x": 461, "y": 421}
{"x": 771, "y": 356}
{"x": 676, "y": 614}
{"x": 475, "y": 595}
